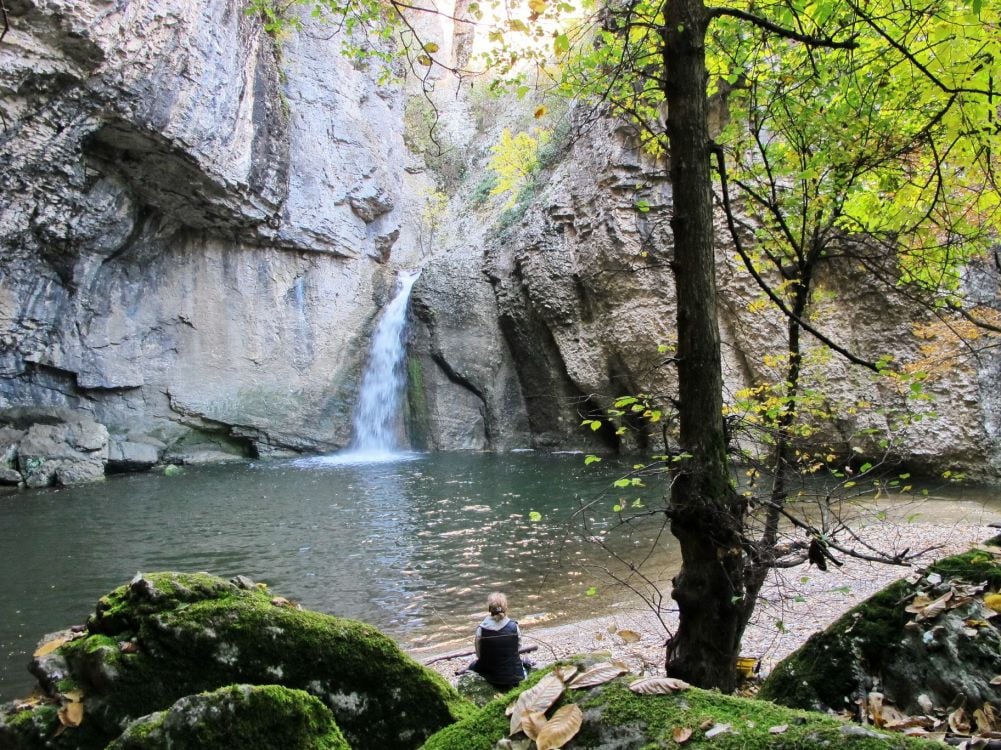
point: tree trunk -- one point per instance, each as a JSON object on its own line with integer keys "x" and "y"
{"x": 707, "y": 516}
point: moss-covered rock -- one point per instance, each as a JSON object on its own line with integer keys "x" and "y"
{"x": 169, "y": 635}
{"x": 616, "y": 717}
{"x": 249, "y": 717}
{"x": 947, "y": 656}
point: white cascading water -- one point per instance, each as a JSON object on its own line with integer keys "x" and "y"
{"x": 376, "y": 422}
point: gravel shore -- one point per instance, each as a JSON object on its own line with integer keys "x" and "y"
{"x": 794, "y": 603}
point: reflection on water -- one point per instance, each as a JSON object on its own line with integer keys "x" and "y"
{"x": 412, "y": 546}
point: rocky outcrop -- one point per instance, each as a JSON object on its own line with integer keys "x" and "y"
{"x": 165, "y": 636}
{"x": 928, "y": 644}
{"x": 195, "y": 223}
{"x": 245, "y": 716}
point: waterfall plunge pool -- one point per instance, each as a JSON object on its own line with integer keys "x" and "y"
{"x": 412, "y": 546}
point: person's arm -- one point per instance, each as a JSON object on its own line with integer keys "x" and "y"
{"x": 476, "y": 642}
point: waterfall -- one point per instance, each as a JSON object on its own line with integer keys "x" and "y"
{"x": 376, "y": 424}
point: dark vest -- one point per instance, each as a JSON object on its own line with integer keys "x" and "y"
{"x": 499, "y": 662}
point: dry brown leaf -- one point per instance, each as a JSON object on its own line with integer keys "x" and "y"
{"x": 49, "y": 646}
{"x": 780, "y": 729}
{"x": 931, "y": 609}
{"x": 958, "y": 722}
{"x": 71, "y": 714}
{"x": 658, "y": 686}
{"x": 560, "y": 729}
{"x": 875, "y": 704}
{"x": 706, "y": 724}
{"x": 565, "y": 672}
{"x": 532, "y": 723}
{"x": 537, "y": 698}
{"x": 629, "y": 636}
{"x": 72, "y": 696}
{"x": 597, "y": 675}
{"x": 681, "y": 735}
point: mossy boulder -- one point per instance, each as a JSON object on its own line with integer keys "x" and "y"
{"x": 249, "y": 717}
{"x": 616, "y": 717}
{"x": 941, "y": 655}
{"x": 165, "y": 636}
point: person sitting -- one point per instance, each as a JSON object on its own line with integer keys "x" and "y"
{"x": 498, "y": 645}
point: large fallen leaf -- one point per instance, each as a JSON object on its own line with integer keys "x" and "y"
{"x": 681, "y": 735}
{"x": 532, "y": 723}
{"x": 565, "y": 672}
{"x": 658, "y": 686}
{"x": 598, "y": 675}
{"x": 717, "y": 729}
{"x": 49, "y": 646}
{"x": 560, "y": 729}
{"x": 537, "y": 698}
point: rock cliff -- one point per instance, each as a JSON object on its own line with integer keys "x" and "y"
{"x": 196, "y": 224}
{"x": 201, "y": 223}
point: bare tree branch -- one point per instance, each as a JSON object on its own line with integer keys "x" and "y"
{"x": 764, "y": 23}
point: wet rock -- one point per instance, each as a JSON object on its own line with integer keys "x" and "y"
{"x": 126, "y": 455}
{"x": 250, "y": 717}
{"x": 73, "y": 452}
{"x": 927, "y": 641}
{"x": 165, "y": 636}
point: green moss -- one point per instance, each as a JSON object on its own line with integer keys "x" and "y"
{"x": 249, "y": 717}
{"x": 196, "y": 633}
{"x": 614, "y": 716}
{"x": 828, "y": 670}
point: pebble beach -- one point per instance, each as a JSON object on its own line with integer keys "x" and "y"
{"x": 794, "y": 603}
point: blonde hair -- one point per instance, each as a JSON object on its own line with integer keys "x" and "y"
{"x": 497, "y": 605}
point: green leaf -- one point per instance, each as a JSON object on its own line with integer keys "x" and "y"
{"x": 591, "y": 591}
{"x": 534, "y": 516}
{"x": 591, "y": 459}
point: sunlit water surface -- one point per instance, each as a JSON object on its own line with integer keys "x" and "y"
{"x": 410, "y": 545}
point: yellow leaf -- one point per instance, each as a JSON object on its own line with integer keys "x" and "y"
{"x": 431, "y": 48}
{"x": 73, "y": 696}
{"x": 532, "y": 723}
{"x": 71, "y": 714}
{"x": 50, "y": 646}
{"x": 659, "y": 686}
{"x": 538, "y": 7}
{"x": 537, "y": 698}
{"x": 540, "y": 112}
{"x": 681, "y": 735}
{"x": 424, "y": 60}
{"x": 993, "y": 601}
{"x": 561, "y": 728}
{"x": 597, "y": 675}
{"x": 629, "y": 636}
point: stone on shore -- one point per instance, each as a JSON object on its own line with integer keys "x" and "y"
{"x": 165, "y": 636}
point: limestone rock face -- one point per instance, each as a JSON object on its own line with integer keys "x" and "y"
{"x": 193, "y": 225}
{"x": 165, "y": 636}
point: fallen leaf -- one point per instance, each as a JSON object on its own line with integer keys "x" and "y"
{"x": 537, "y": 698}
{"x": 71, "y": 714}
{"x": 128, "y": 647}
{"x": 996, "y": 680}
{"x": 780, "y": 729}
{"x": 993, "y": 601}
{"x": 658, "y": 686}
{"x": 681, "y": 735}
{"x": 565, "y": 672}
{"x": 73, "y": 696}
{"x": 597, "y": 675}
{"x": 706, "y": 724}
{"x": 931, "y": 609}
{"x": 717, "y": 729}
{"x": 532, "y": 723}
{"x": 560, "y": 729}
{"x": 50, "y": 646}
{"x": 629, "y": 636}
{"x": 958, "y": 722}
